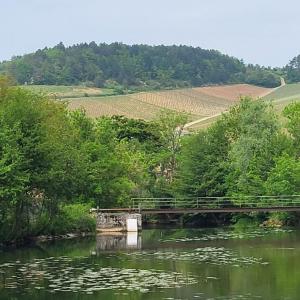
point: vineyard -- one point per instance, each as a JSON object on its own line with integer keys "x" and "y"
{"x": 233, "y": 92}
{"x": 198, "y": 102}
{"x": 280, "y": 97}
{"x": 116, "y": 105}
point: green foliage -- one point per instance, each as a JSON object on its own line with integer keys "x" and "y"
{"x": 282, "y": 218}
{"x": 244, "y": 153}
{"x": 260, "y": 76}
{"x": 284, "y": 178}
{"x": 293, "y": 70}
{"x": 251, "y": 154}
{"x": 50, "y": 159}
{"x": 14, "y": 178}
{"x": 120, "y": 66}
{"x": 243, "y": 222}
{"x": 292, "y": 113}
{"x": 202, "y": 163}
{"x": 56, "y": 164}
{"x": 71, "y": 218}
{"x": 77, "y": 218}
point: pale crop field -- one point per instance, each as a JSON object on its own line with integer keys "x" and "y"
{"x": 279, "y": 97}
{"x": 199, "y": 103}
{"x": 234, "y": 92}
{"x": 116, "y": 105}
{"x": 182, "y": 100}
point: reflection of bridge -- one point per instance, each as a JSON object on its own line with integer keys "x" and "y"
{"x": 211, "y": 205}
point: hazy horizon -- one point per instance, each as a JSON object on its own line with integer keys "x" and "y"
{"x": 259, "y": 32}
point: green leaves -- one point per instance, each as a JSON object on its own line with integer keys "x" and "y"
{"x": 242, "y": 154}
{"x": 292, "y": 113}
{"x": 284, "y": 178}
{"x": 141, "y": 67}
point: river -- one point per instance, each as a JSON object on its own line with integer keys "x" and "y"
{"x": 158, "y": 264}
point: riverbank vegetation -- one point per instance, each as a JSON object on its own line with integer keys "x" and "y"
{"x": 56, "y": 164}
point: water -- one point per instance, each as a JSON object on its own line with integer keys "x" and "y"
{"x": 158, "y": 264}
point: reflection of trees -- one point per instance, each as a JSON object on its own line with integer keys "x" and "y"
{"x": 117, "y": 241}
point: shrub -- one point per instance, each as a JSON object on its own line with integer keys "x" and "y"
{"x": 70, "y": 219}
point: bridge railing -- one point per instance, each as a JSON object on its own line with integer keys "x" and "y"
{"x": 217, "y": 202}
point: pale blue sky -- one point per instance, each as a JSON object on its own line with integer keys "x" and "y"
{"x": 259, "y": 31}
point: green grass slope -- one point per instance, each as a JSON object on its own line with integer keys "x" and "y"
{"x": 287, "y": 91}
{"x": 282, "y": 96}
{"x": 69, "y": 91}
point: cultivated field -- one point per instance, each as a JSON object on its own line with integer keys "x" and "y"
{"x": 116, "y": 105}
{"x": 204, "y": 104}
{"x": 280, "y": 98}
{"x": 198, "y": 102}
{"x": 233, "y": 92}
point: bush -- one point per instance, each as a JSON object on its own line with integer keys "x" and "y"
{"x": 72, "y": 218}
{"x": 279, "y": 219}
{"x": 78, "y": 219}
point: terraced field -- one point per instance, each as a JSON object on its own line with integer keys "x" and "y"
{"x": 200, "y": 103}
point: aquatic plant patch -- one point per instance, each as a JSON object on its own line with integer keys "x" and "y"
{"x": 227, "y": 235}
{"x": 247, "y": 296}
{"x": 210, "y": 255}
{"x": 64, "y": 274}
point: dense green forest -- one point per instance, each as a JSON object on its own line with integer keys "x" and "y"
{"x": 56, "y": 164}
{"x": 139, "y": 67}
{"x": 293, "y": 70}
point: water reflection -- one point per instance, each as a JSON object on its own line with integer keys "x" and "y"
{"x": 118, "y": 241}
{"x": 161, "y": 264}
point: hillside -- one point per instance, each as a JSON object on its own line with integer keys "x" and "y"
{"x": 199, "y": 102}
{"x": 205, "y": 104}
{"x": 138, "y": 67}
{"x": 280, "y": 97}
{"x": 284, "y": 95}
{"x": 287, "y": 92}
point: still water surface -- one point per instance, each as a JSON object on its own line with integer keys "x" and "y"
{"x": 158, "y": 264}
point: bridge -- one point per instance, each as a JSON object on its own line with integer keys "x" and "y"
{"x": 245, "y": 204}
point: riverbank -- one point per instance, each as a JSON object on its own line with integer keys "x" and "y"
{"x": 84, "y": 225}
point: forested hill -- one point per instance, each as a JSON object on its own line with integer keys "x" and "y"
{"x": 138, "y": 66}
{"x": 292, "y": 70}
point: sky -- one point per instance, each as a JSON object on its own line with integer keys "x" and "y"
{"x": 264, "y": 32}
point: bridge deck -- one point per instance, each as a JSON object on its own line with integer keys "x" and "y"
{"x": 147, "y": 206}
{"x": 153, "y": 211}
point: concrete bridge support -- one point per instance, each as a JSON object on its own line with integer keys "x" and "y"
{"x": 118, "y": 222}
